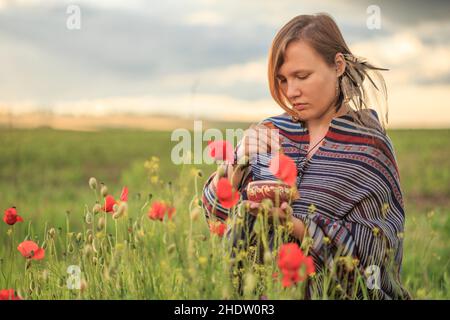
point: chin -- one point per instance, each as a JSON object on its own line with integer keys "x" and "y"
{"x": 303, "y": 115}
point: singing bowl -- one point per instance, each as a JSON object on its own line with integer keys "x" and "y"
{"x": 267, "y": 189}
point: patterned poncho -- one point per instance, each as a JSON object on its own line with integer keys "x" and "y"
{"x": 351, "y": 200}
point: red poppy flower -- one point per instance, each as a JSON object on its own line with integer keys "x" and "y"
{"x": 284, "y": 168}
{"x": 290, "y": 261}
{"x": 290, "y": 256}
{"x": 225, "y": 194}
{"x": 124, "y": 194}
{"x": 11, "y": 217}
{"x": 157, "y": 211}
{"x": 30, "y": 250}
{"x": 8, "y": 294}
{"x": 109, "y": 204}
{"x": 110, "y": 201}
{"x": 218, "y": 228}
{"x": 170, "y": 211}
{"x": 221, "y": 150}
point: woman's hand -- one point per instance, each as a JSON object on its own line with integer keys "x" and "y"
{"x": 258, "y": 139}
{"x": 284, "y": 214}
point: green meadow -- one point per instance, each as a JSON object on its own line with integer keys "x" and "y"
{"x": 44, "y": 173}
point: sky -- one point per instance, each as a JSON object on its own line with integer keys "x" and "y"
{"x": 207, "y": 59}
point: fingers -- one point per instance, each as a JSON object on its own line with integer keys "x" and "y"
{"x": 261, "y": 139}
{"x": 253, "y": 207}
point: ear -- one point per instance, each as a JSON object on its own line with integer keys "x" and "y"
{"x": 340, "y": 64}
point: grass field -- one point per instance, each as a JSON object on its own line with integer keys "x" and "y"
{"x": 45, "y": 173}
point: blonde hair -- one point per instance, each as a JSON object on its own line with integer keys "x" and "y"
{"x": 322, "y": 33}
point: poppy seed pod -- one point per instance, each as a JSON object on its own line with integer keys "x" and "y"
{"x": 93, "y": 183}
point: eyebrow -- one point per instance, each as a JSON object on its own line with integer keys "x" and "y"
{"x": 294, "y": 72}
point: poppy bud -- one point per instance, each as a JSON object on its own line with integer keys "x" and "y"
{"x": 52, "y": 233}
{"x": 101, "y": 223}
{"x": 249, "y": 283}
{"x": 104, "y": 190}
{"x": 88, "y": 218}
{"x": 96, "y": 208}
{"x": 93, "y": 183}
{"x": 83, "y": 285}
{"x": 221, "y": 171}
{"x": 121, "y": 210}
{"x": 79, "y": 237}
{"x": 45, "y": 275}
{"x": 87, "y": 250}
{"x": 267, "y": 257}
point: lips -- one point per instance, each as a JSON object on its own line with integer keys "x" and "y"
{"x": 300, "y": 106}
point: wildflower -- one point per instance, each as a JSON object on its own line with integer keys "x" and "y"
{"x": 11, "y": 217}
{"x": 312, "y": 208}
{"x": 218, "y": 228}
{"x": 284, "y": 168}
{"x": 159, "y": 209}
{"x": 170, "y": 212}
{"x": 8, "y": 294}
{"x": 30, "y": 250}
{"x": 225, "y": 194}
{"x": 110, "y": 202}
{"x": 376, "y": 231}
{"x": 290, "y": 260}
{"x": 202, "y": 261}
{"x": 124, "y": 194}
{"x": 221, "y": 150}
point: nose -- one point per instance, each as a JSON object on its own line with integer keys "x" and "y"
{"x": 293, "y": 91}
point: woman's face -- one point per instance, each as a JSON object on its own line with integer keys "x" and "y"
{"x": 307, "y": 81}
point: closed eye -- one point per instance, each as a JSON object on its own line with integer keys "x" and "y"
{"x": 302, "y": 77}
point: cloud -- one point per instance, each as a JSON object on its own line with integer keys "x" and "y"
{"x": 199, "y": 55}
{"x": 410, "y": 59}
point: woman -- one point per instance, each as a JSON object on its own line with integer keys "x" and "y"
{"x": 351, "y": 201}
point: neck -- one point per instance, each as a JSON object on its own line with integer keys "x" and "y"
{"x": 323, "y": 123}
